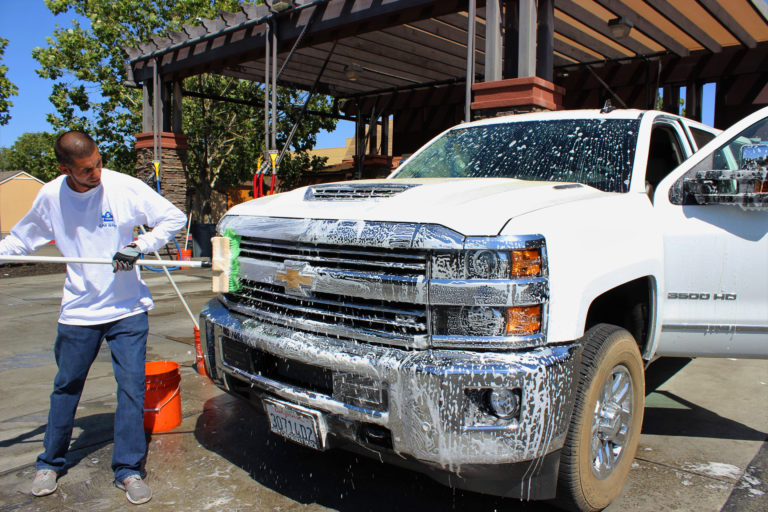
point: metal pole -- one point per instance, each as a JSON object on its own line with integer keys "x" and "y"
{"x": 266, "y": 86}
{"x": 470, "y": 60}
{"x": 176, "y": 288}
{"x": 155, "y": 101}
{"x": 306, "y": 104}
{"x": 156, "y": 127}
{"x": 274, "y": 86}
{"x": 103, "y": 261}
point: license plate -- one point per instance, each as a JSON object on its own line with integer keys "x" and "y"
{"x": 298, "y": 424}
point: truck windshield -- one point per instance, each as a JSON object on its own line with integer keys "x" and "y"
{"x": 595, "y": 152}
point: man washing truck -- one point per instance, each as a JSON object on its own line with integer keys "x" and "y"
{"x": 92, "y": 212}
{"x": 485, "y": 314}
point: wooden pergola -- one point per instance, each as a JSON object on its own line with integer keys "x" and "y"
{"x": 429, "y": 64}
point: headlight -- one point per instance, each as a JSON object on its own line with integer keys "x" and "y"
{"x": 487, "y": 264}
{"x": 491, "y": 295}
{"x": 486, "y": 321}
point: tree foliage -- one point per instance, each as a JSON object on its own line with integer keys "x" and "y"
{"x": 226, "y": 140}
{"x": 7, "y": 88}
{"x": 87, "y": 66}
{"x": 32, "y": 153}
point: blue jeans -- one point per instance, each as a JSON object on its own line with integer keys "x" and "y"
{"x": 75, "y": 350}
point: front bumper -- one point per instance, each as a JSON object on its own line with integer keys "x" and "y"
{"x": 422, "y": 403}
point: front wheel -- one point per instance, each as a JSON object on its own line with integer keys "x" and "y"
{"x": 607, "y": 418}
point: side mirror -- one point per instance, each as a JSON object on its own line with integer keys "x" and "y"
{"x": 754, "y": 156}
{"x": 746, "y": 188}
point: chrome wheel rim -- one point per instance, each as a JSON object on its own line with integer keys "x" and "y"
{"x": 611, "y": 422}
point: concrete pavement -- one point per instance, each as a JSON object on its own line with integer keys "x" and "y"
{"x": 702, "y": 448}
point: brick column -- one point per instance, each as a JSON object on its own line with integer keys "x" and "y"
{"x": 516, "y": 95}
{"x": 173, "y": 164}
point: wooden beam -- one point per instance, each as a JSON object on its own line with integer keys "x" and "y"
{"x": 644, "y": 26}
{"x": 369, "y": 53}
{"x": 338, "y": 19}
{"x": 593, "y": 44}
{"x": 685, "y": 24}
{"x": 599, "y": 25}
{"x": 428, "y": 57}
{"x": 459, "y": 20}
{"x": 733, "y": 26}
{"x": 449, "y": 52}
{"x": 382, "y": 66}
{"x": 571, "y": 49}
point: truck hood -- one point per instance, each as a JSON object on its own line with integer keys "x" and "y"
{"x": 470, "y": 206}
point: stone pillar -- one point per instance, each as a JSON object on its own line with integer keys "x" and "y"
{"x": 173, "y": 166}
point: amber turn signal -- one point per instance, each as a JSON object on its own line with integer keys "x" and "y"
{"x": 523, "y": 320}
{"x": 526, "y": 263}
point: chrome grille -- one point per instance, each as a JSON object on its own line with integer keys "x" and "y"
{"x": 355, "y": 259}
{"x": 351, "y": 192}
{"x": 330, "y": 312}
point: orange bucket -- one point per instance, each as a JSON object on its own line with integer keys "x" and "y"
{"x": 186, "y": 254}
{"x": 162, "y": 398}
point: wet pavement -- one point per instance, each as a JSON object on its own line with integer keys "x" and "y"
{"x": 703, "y": 445}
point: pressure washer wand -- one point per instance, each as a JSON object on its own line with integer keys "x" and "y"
{"x": 102, "y": 261}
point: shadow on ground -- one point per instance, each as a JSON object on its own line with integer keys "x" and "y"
{"x": 336, "y": 479}
{"x": 679, "y": 417}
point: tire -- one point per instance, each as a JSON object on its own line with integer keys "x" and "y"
{"x": 597, "y": 455}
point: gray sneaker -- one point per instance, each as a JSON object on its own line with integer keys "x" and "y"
{"x": 44, "y": 482}
{"x": 136, "y": 491}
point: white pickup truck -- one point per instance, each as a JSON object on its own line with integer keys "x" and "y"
{"x": 485, "y": 314}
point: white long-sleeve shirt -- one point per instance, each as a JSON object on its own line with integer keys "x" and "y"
{"x": 97, "y": 223}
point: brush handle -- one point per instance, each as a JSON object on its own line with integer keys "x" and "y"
{"x": 103, "y": 261}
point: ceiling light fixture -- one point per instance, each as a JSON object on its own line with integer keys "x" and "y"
{"x": 352, "y": 72}
{"x": 620, "y": 27}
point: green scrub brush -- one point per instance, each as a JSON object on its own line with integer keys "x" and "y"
{"x": 226, "y": 262}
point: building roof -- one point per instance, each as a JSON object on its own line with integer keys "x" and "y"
{"x": 404, "y": 43}
{"x": 9, "y": 175}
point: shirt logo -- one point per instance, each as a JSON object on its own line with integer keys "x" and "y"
{"x": 107, "y": 220}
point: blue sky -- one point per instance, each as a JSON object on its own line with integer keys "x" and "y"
{"x": 27, "y": 23}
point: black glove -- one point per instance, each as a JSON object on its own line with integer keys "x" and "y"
{"x": 125, "y": 258}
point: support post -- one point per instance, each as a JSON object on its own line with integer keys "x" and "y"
{"x": 359, "y": 142}
{"x": 385, "y": 135}
{"x": 693, "y": 101}
{"x": 470, "y": 60}
{"x": 146, "y": 107}
{"x": 166, "y": 105}
{"x": 177, "y": 107}
{"x": 274, "y": 86}
{"x": 267, "y": 54}
{"x": 526, "y": 65}
{"x": 493, "y": 48}
{"x": 545, "y": 37}
{"x": 511, "y": 38}
{"x": 373, "y": 135}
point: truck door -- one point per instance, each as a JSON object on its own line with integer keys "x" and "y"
{"x": 714, "y": 297}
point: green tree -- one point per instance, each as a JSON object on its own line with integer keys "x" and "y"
{"x": 32, "y": 153}
{"x": 87, "y": 65}
{"x": 226, "y": 140}
{"x": 7, "y": 88}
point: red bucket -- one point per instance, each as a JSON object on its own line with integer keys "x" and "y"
{"x": 186, "y": 254}
{"x": 162, "y": 396}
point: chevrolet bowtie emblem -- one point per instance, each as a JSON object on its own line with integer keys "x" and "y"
{"x": 296, "y": 276}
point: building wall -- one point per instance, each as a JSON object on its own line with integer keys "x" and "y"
{"x": 16, "y": 198}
